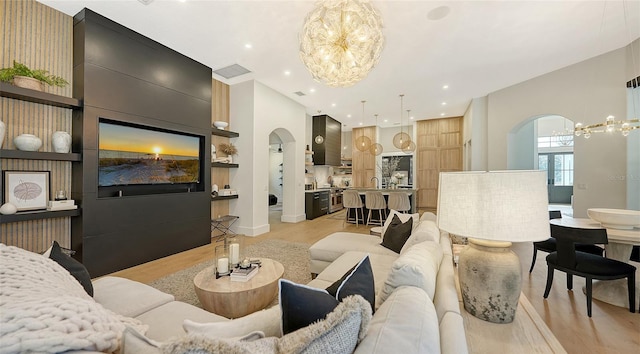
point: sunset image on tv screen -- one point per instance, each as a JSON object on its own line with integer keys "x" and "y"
{"x": 135, "y": 155}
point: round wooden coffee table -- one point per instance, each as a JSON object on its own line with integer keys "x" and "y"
{"x": 233, "y": 299}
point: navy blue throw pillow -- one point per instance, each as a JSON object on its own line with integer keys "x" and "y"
{"x": 357, "y": 281}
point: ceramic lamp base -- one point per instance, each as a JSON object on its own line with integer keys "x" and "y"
{"x": 490, "y": 280}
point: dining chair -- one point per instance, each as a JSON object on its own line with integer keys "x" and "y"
{"x": 549, "y": 245}
{"x": 589, "y": 266}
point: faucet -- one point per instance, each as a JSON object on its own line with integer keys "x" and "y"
{"x": 377, "y": 179}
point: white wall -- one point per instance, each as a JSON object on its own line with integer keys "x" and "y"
{"x": 475, "y": 135}
{"x": 258, "y": 110}
{"x": 522, "y": 152}
{"x": 633, "y": 140}
{"x": 586, "y": 92}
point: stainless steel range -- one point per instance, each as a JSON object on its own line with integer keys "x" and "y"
{"x": 335, "y": 199}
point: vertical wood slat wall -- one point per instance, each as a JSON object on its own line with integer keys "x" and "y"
{"x": 439, "y": 149}
{"x": 363, "y": 162}
{"x": 220, "y": 112}
{"x": 41, "y": 38}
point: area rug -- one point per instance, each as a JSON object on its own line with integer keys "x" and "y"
{"x": 294, "y": 257}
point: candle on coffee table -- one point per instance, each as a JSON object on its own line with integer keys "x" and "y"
{"x": 234, "y": 249}
{"x": 223, "y": 265}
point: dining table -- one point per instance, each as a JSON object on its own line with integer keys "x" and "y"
{"x": 621, "y": 242}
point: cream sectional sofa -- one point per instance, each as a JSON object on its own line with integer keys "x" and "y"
{"x": 400, "y": 324}
{"x": 406, "y": 321}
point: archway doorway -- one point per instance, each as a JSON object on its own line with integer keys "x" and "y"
{"x": 546, "y": 143}
{"x": 281, "y": 174}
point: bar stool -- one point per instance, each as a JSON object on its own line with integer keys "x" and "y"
{"x": 374, "y": 200}
{"x": 399, "y": 201}
{"x": 351, "y": 200}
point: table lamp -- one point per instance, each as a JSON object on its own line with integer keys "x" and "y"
{"x": 493, "y": 209}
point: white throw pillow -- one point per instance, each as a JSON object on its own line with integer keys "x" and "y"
{"x": 428, "y": 216}
{"x": 425, "y": 231}
{"x": 418, "y": 267}
{"x": 406, "y": 323}
{"x": 267, "y": 321}
{"x": 403, "y": 217}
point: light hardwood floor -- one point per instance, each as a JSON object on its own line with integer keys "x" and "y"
{"x": 611, "y": 329}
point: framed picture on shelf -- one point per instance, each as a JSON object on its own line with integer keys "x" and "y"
{"x": 27, "y": 190}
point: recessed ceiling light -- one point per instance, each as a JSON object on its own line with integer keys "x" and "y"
{"x": 333, "y": 105}
{"x": 386, "y": 120}
{"x": 445, "y": 87}
{"x": 442, "y": 114}
{"x": 287, "y": 72}
{"x": 444, "y": 103}
{"x": 360, "y": 123}
{"x": 411, "y": 117}
{"x": 312, "y": 90}
{"x": 248, "y": 46}
{"x": 348, "y": 115}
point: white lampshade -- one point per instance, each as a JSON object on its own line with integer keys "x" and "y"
{"x": 499, "y": 205}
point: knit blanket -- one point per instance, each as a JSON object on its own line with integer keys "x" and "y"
{"x": 43, "y": 309}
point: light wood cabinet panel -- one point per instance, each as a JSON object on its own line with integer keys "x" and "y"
{"x": 363, "y": 163}
{"x": 439, "y": 147}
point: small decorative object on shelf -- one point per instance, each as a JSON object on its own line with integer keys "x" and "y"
{"x": 61, "y": 195}
{"x": 27, "y": 142}
{"x": 61, "y": 142}
{"x": 222, "y": 261}
{"x": 220, "y": 124}
{"x": 230, "y": 150}
{"x": 27, "y": 190}
{"x": 213, "y": 153}
{"x": 56, "y": 205}
{"x": 8, "y": 209}
{"x": 20, "y": 75}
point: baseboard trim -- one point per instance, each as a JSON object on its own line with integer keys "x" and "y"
{"x": 293, "y": 218}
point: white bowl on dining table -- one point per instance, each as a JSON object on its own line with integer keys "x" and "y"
{"x": 615, "y": 218}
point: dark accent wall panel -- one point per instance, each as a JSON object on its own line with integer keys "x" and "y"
{"x": 122, "y": 75}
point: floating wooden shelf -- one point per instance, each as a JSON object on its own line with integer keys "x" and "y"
{"x": 37, "y": 215}
{"x": 224, "y": 133}
{"x": 35, "y": 155}
{"x": 224, "y": 165}
{"x": 8, "y": 90}
{"x": 223, "y": 197}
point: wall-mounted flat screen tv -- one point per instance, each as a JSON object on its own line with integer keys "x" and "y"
{"x": 136, "y": 155}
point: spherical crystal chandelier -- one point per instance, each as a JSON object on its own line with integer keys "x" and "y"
{"x": 376, "y": 148}
{"x": 341, "y": 41}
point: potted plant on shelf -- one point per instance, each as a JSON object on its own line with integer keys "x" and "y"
{"x": 228, "y": 149}
{"x": 20, "y": 75}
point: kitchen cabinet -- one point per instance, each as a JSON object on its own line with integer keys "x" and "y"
{"x": 316, "y": 204}
{"x": 327, "y": 140}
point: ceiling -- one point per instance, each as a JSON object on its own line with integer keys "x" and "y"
{"x": 474, "y": 47}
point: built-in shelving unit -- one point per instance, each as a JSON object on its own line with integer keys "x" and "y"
{"x": 35, "y": 155}
{"x": 224, "y": 133}
{"x": 23, "y": 94}
{"x": 223, "y": 197}
{"x": 19, "y": 93}
{"x": 37, "y": 214}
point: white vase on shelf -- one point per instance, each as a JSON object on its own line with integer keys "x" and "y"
{"x": 61, "y": 142}
{"x": 3, "y": 129}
